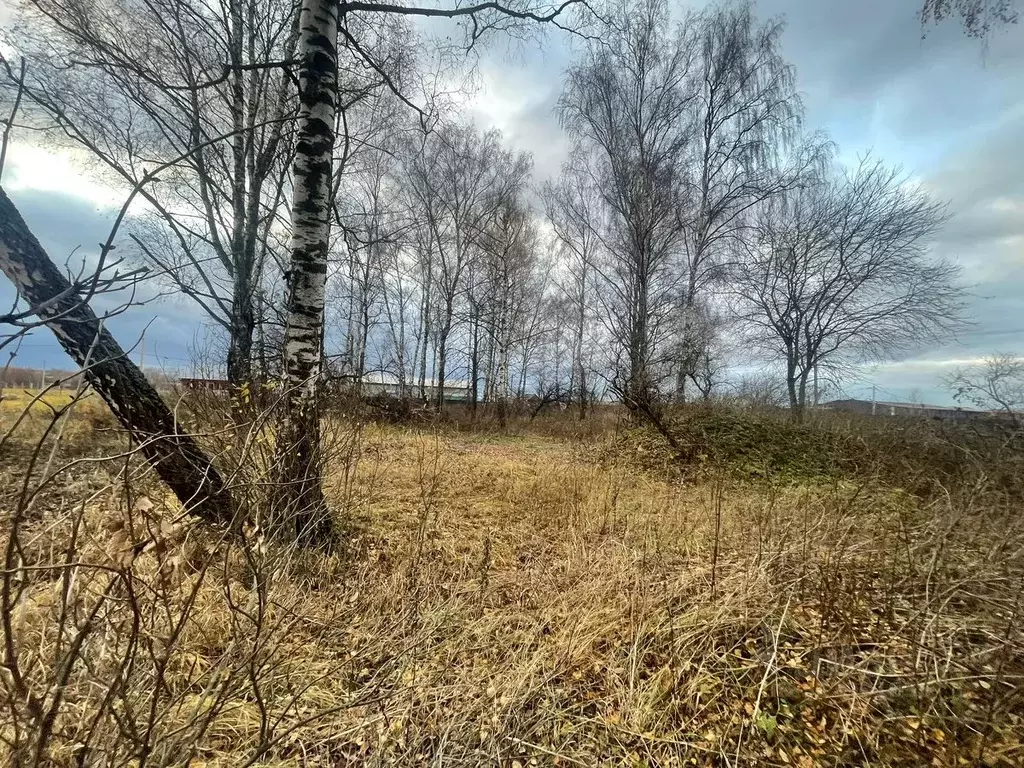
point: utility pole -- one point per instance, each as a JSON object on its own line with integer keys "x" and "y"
{"x": 873, "y": 402}
{"x": 142, "y": 353}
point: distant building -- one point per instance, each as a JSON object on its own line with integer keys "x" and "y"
{"x": 918, "y": 410}
{"x": 383, "y": 383}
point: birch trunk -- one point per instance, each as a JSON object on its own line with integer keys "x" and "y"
{"x": 307, "y": 274}
{"x": 441, "y": 362}
{"x": 425, "y": 329}
{"x": 474, "y": 362}
{"x": 503, "y": 384}
{"x": 579, "y": 372}
{"x": 175, "y": 456}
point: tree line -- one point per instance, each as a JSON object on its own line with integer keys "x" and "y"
{"x": 300, "y": 173}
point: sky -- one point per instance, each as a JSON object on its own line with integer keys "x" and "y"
{"x": 947, "y": 108}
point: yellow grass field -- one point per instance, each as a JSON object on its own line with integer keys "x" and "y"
{"x": 15, "y": 400}
{"x": 530, "y": 600}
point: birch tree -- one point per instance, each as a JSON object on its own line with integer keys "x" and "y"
{"x": 510, "y": 264}
{"x": 978, "y": 17}
{"x": 572, "y": 205}
{"x": 423, "y": 248}
{"x": 746, "y": 112}
{"x": 302, "y": 497}
{"x": 995, "y": 383}
{"x": 313, "y": 172}
{"x": 460, "y": 181}
{"x": 626, "y": 106}
{"x": 373, "y": 219}
{"x": 398, "y": 278}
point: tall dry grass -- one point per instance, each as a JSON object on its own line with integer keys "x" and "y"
{"x": 520, "y": 599}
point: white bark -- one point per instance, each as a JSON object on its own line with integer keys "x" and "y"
{"x": 310, "y": 211}
{"x": 302, "y": 502}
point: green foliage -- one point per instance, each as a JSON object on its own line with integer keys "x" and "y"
{"x": 767, "y": 723}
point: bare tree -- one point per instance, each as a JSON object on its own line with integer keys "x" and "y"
{"x": 746, "y": 112}
{"x": 460, "y": 180}
{"x": 700, "y": 352}
{"x": 626, "y": 105}
{"x": 977, "y": 16}
{"x": 761, "y": 389}
{"x": 398, "y": 298}
{"x": 996, "y": 384}
{"x": 371, "y": 213}
{"x": 303, "y": 500}
{"x": 132, "y": 80}
{"x": 839, "y": 273}
{"x": 137, "y": 83}
{"x": 510, "y": 246}
{"x": 314, "y": 172}
{"x": 371, "y": 231}
{"x": 424, "y": 251}
{"x": 18, "y": 86}
{"x": 573, "y": 210}
{"x": 449, "y": 199}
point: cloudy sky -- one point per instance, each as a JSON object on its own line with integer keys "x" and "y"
{"x": 949, "y": 110}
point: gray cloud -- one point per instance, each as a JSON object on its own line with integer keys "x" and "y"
{"x": 70, "y": 229}
{"x": 64, "y": 224}
{"x": 942, "y": 106}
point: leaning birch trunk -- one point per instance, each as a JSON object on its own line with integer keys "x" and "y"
{"x": 178, "y": 460}
{"x": 302, "y": 499}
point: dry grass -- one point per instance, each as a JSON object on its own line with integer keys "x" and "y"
{"x": 14, "y": 401}
{"x": 536, "y": 600}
